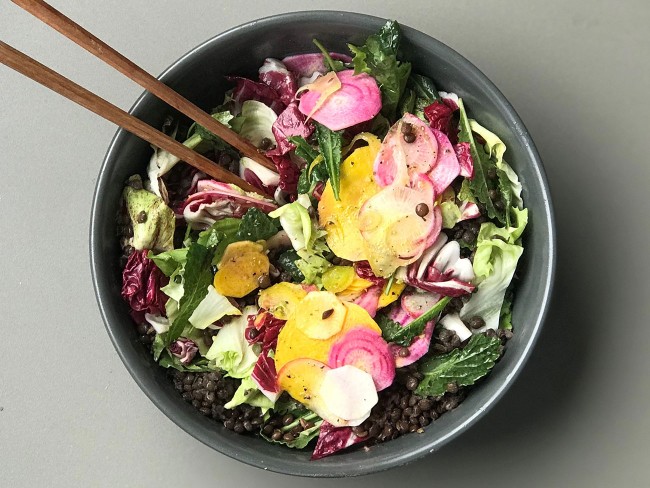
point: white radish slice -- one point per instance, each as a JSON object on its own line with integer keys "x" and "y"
{"x": 398, "y": 159}
{"x": 415, "y": 303}
{"x": 348, "y": 393}
{"x": 453, "y": 323}
{"x": 447, "y": 166}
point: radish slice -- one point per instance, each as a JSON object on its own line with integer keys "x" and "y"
{"x": 349, "y": 394}
{"x": 452, "y": 322}
{"x": 358, "y": 100}
{"x": 437, "y": 226}
{"x": 369, "y": 300}
{"x": 417, "y": 302}
{"x": 418, "y": 348}
{"x": 365, "y": 349}
{"x": 447, "y": 167}
{"x": 396, "y": 155}
{"x": 394, "y": 234}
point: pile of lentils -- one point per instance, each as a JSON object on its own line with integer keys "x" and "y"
{"x": 399, "y": 410}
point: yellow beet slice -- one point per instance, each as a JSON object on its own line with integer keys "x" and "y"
{"x": 339, "y": 218}
{"x": 293, "y": 343}
{"x": 240, "y": 275}
{"x": 393, "y": 294}
{"x": 281, "y": 299}
{"x": 320, "y": 315}
{"x": 302, "y": 379}
{"x": 236, "y": 250}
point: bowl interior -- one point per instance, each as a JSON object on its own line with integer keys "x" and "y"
{"x": 199, "y": 76}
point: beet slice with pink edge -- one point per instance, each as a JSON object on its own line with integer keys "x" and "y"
{"x": 365, "y": 349}
{"x": 358, "y": 100}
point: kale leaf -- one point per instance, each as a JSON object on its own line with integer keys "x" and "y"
{"x": 287, "y": 261}
{"x": 257, "y": 226}
{"x": 378, "y": 58}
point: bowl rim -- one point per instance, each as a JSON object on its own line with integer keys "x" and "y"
{"x": 325, "y": 470}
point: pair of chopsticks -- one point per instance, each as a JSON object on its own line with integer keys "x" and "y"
{"x": 62, "y": 85}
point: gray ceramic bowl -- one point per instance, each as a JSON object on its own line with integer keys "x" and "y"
{"x": 199, "y": 75}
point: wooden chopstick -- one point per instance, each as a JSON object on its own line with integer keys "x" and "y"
{"x": 103, "y": 51}
{"x": 69, "y": 89}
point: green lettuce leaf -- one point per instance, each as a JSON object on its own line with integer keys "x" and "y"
{"x": 451, "y": 214}
{"x": 302, "y": 416}
{"x": 296, "y": 222}
{"x": 495, "y": 262}
{"x": 169, "y": 261}
{"x": 168, "y": 360}
{"x": 312, "y": 266}
{"x": 249, "y": 393}
{"x": 230, "y": 351}
{"x": 460, "y": 366}
{"x": 213, "y": 307}
{"x": 378, "y": 58}
{"x": 255, "y": 122}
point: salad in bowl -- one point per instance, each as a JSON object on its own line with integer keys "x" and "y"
{"x": 366, "y": 288}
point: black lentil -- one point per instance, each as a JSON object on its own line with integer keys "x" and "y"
{"x": 327, "y": 314}
{"x": 422, "y": 210}
{"x": 475, "y": 322}
{"x": 409, "y": 137}
{"x": 265, "y": 144}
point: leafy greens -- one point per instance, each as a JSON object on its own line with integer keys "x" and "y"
{"x": 460, "y": 366}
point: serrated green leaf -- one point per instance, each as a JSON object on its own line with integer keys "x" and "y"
{"x": 460, "y": 366}
{"x": 478, "y": 185}
{"x": 378, "y": 58}
{"x": 197, "y": 277}
{"x": 329, "y": 145}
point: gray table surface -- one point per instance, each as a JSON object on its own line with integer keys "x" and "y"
{"x": 577, "y": 72}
